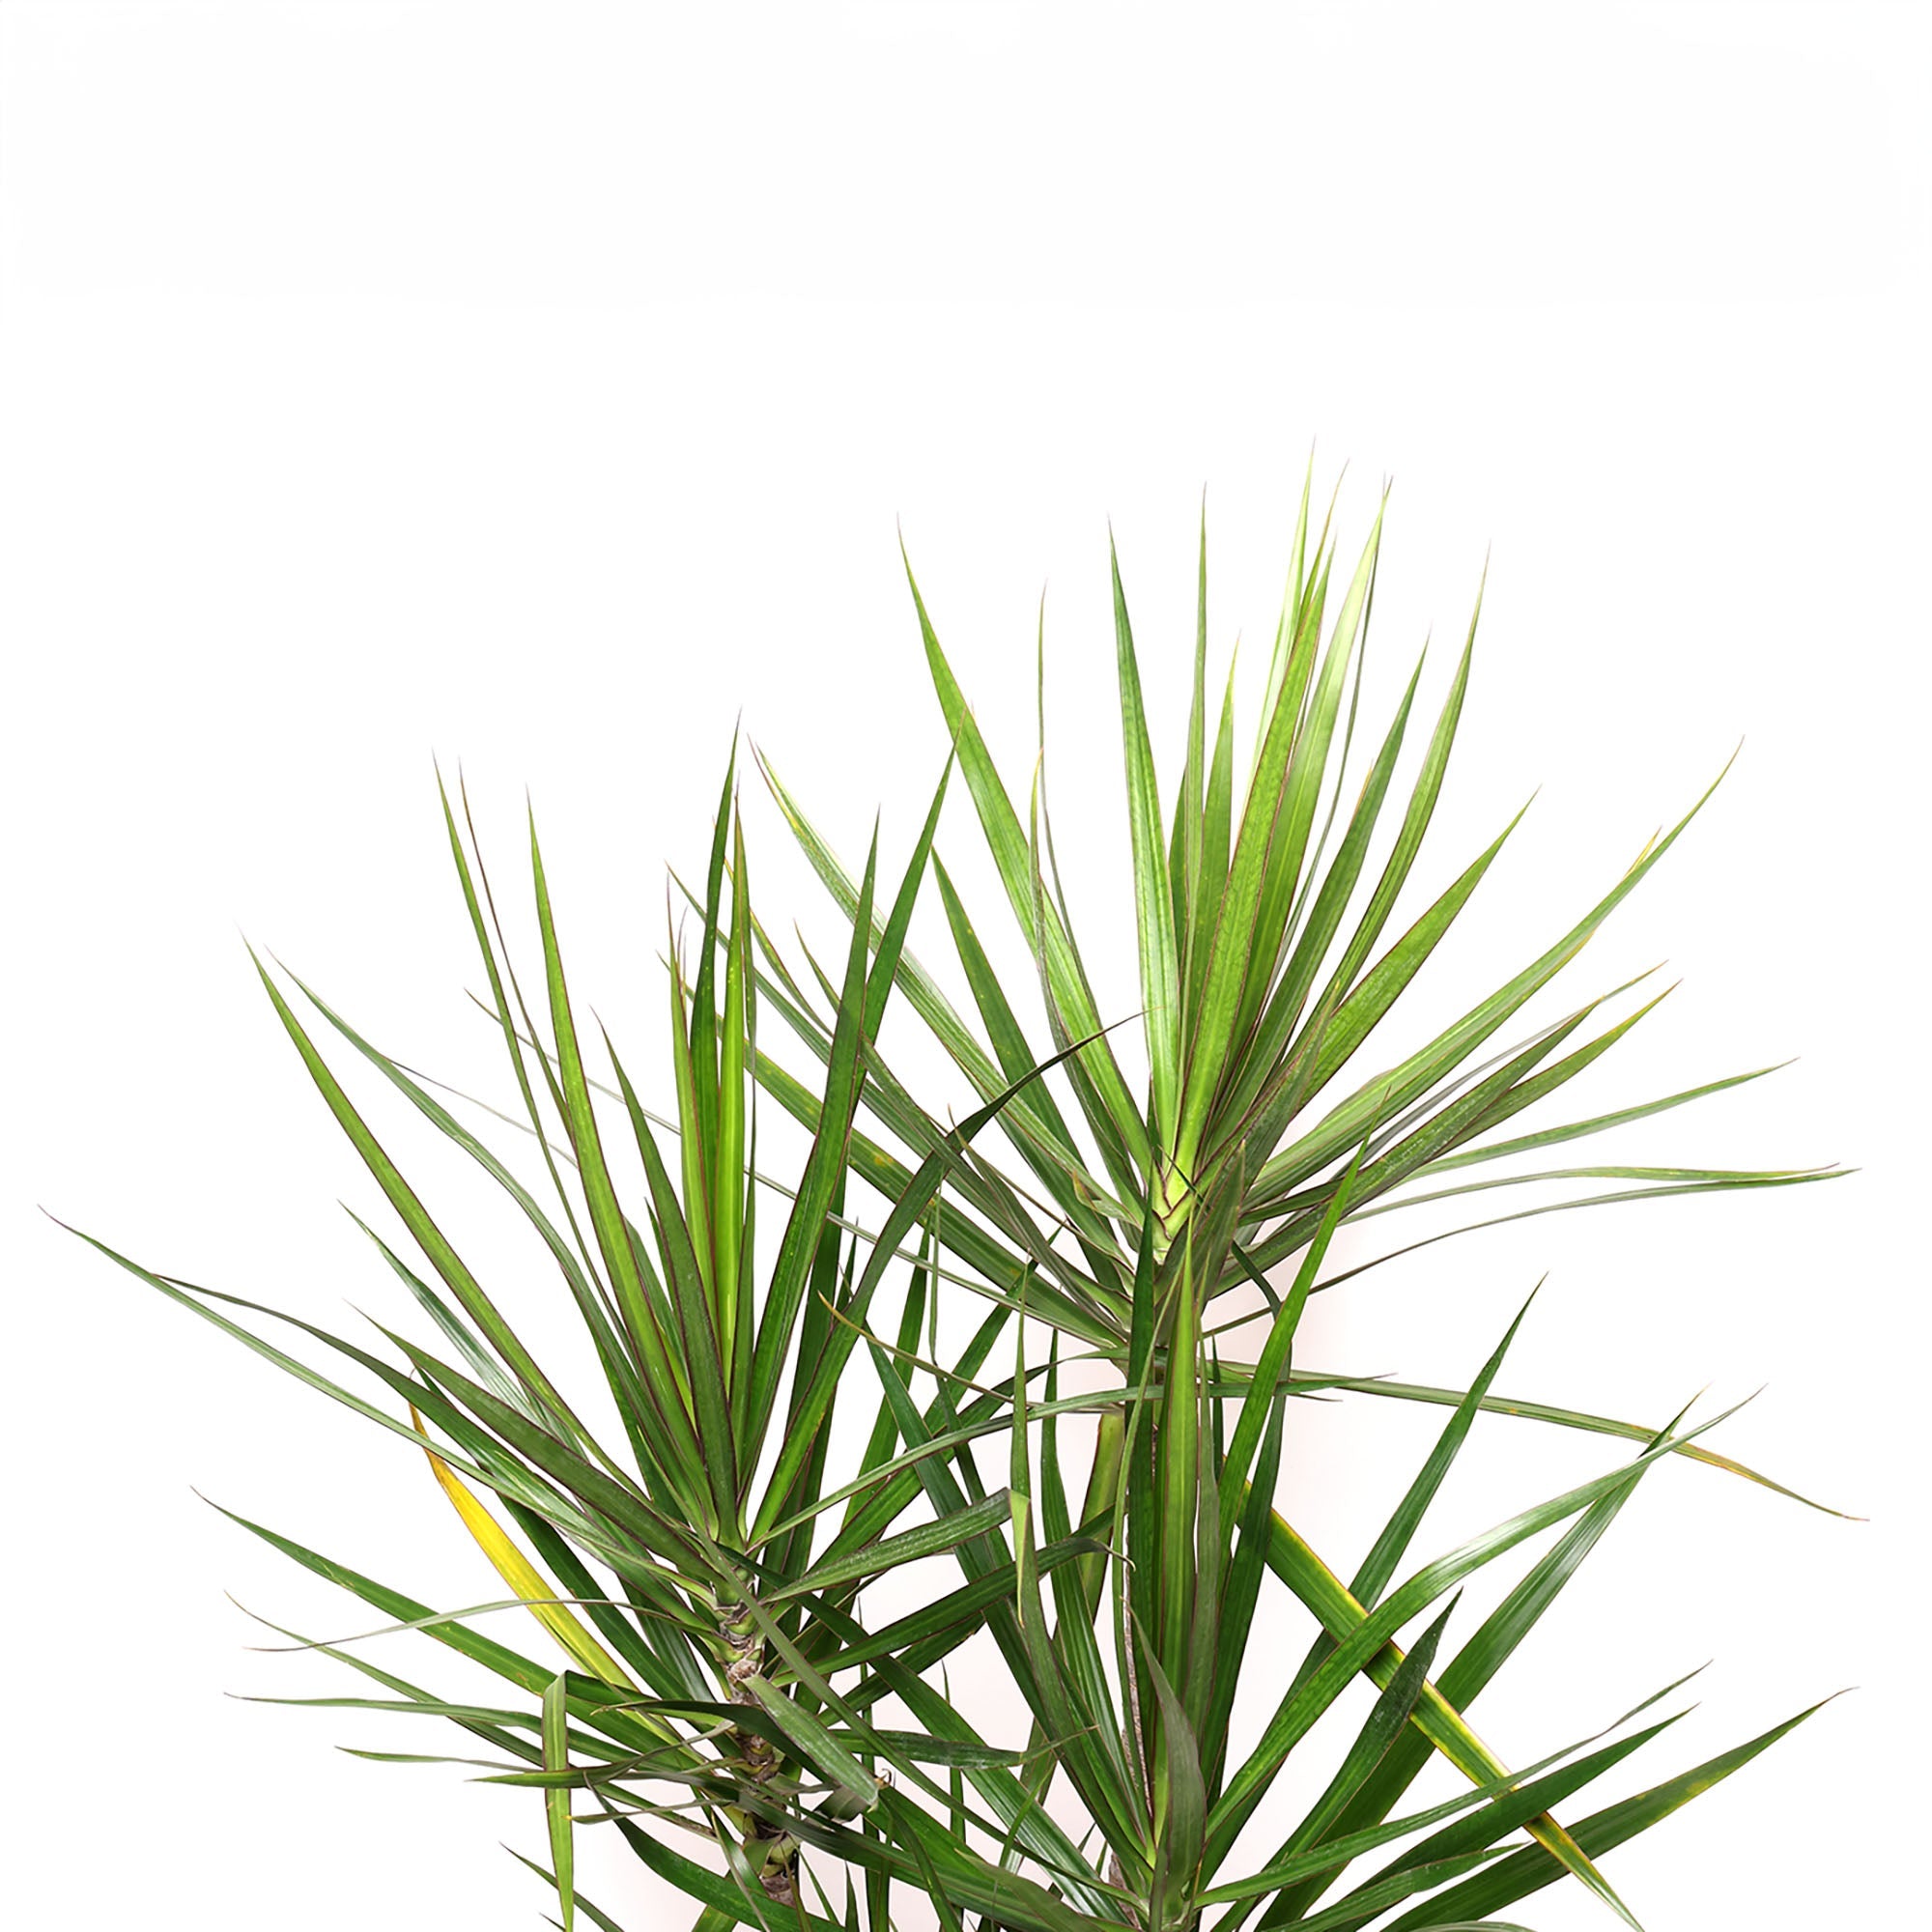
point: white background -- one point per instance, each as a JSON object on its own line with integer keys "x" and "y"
{"x": 537, "y": 386}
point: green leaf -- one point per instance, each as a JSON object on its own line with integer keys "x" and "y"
{"x": 823, "y": 1174}
{"x": 1180, "y": 1832}
{"x": 697, "y": 1359}
{"x": 1380, "y": 1565}
{"x": 556, "y": 1802}
{"x": 1598, "y": 1124}
{"x": 814, "y": 1743}
{"x": 430, "y": 1238}
{"x": 1384, "y": 1724}
{"x": 689, "y": 1467}
{"x": 1154, "y": 903}
{"x": 929, "y": 1539}
{"x": 1344, "y": 1123}
{"x": 1015, "y": 859}
{"x": 1297, "y": 1712}
{"x": 1567, "y": 1418}
{"x": 1531, "y": 1869}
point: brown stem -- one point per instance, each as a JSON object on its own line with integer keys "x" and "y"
{"x": 773, "y": 1849}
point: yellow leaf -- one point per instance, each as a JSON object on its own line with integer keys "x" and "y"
{"x": 523, "y": 1577}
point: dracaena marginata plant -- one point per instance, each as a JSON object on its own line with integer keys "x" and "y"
{"x": 697, "y": 1575}
{"x": 700, "y": 1574}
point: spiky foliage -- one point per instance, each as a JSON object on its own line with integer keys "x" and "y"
{"x": 702, "y": 1574}
{"x": 698, "y": 1610}
{"x": 1267, "y": 961}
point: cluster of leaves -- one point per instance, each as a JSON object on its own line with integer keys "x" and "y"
{"x": 702, "y": 1573}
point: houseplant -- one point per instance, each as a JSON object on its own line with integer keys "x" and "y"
{"x": 719, "y": 1672}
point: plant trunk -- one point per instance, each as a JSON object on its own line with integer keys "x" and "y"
{"x": 772, "y": 1850}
